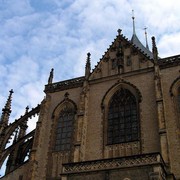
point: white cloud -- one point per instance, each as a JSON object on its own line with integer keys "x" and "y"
{"x": 169, "y": 44}
{"x": 37, "y": 36}
{"x": 11, "y": 8}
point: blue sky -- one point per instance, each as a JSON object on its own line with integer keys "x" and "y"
{"x": 36, "y": 36}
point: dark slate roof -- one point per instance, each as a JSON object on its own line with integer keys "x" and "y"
{"x": 139, "y": 45}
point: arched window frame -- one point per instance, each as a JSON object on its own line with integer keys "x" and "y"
{"x": 175, "y": 94}
{"x": 123, "y": 118}
{"x": 105, "y": 102}
{"x": 66, "y": 103}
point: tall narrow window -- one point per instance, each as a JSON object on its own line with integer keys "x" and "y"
{"x": 122, "y": 118}
{"x": 64, "y": 129}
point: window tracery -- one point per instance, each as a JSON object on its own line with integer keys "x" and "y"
{"x": 64, "y": 129}
{"x": 122, "y": 118}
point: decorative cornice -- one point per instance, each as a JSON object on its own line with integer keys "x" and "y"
{"x": 115, "y": 163}
{"x": 64, "y": 85}
{"x": 169, "y": 61}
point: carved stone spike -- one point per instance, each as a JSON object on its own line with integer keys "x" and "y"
{"x": 51, "y": 76}
{"x": 119, "y": 31}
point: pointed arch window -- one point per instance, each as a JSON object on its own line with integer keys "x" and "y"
{"x": 64, "y": 131}
{"x": 123, "y": 124}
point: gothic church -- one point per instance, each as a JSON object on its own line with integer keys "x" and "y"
{"x": 120, "y": 121}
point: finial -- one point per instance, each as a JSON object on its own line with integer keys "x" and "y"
{"x": 88, "y": 55}
{"x": 154, "y": 50}
{"x": 146, "y": 37}
{"x": 88, "y": 61}
{"x": 119, "y": 31}
{"x": 51, "y": 76}
{"x": 11, "y": 91}
{"x": 132, "y": 13}
{"x": 88, "y": 66}
{"x": 27, "y": 109}
{"x": 133, "y": 22}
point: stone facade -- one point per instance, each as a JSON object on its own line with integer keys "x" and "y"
{"x": 83, "y": 150}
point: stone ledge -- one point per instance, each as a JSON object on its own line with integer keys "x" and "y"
{"x": 115, "y": 163}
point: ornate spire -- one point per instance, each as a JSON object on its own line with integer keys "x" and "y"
{"x": 154, "y": 50}
{"x": 146, "y": 38}
{"x": 6, "y": 111}
{"x": 135, "y": 40}
{"x": 88, "y": 66}
{"x": 51, "y": 76}
{"x": 133, "y": 18}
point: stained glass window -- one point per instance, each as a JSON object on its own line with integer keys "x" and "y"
{"x": 122, "y": 118}
{"x": 64, "y": 130}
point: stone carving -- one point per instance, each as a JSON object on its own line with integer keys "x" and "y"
{"x": 169, "y": 61}
{"x": 63, "y": 85}
{"x": 112, "y": 163}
